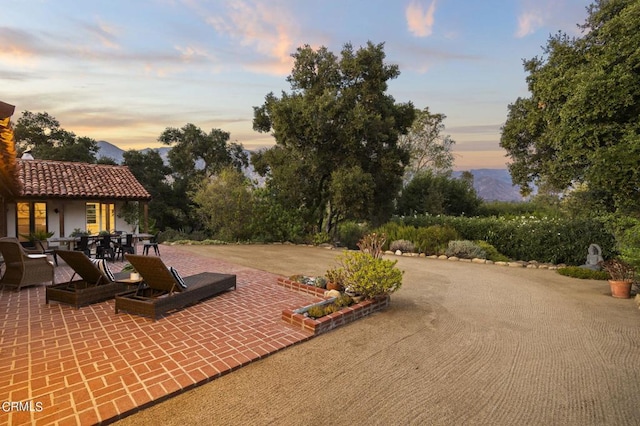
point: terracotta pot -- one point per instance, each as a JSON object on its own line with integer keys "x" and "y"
{"x": 334, "y": 286}
{"x": 620, "y": 289}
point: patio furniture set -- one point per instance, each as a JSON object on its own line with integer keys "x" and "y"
{"x": 111, "y": 247}
{"x": 157, "y": 291}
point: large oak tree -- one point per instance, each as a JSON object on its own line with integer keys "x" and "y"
{"x": 337, "y": 117}
{"x": 42, "y": 133}
{"x": 581, "y": 124}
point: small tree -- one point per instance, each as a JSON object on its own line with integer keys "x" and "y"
{"x": 224, "y": 203}
{"x": 428, "y": 147}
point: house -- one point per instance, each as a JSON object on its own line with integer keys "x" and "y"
{"x": 61, "y": 196}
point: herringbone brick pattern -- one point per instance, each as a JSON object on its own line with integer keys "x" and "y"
{"x": 65, "y": 366}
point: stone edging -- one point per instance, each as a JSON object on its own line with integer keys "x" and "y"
{"x": 516, "y": 264}
{"x": 331, "y": 321}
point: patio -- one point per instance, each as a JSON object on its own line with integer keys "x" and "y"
{"x": 67, "y": 366}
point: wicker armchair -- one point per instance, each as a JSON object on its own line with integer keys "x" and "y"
{"x": 23, "y": 269}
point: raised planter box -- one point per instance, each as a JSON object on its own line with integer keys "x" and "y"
{"x": 331, "y": 321}
{"x": 303, "y": 288}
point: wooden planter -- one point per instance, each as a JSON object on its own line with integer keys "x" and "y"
{"x": 620, "y": 289}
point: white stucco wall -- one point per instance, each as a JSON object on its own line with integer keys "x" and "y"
{"x": 74, "y": 214}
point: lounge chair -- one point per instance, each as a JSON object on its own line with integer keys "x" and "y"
{"x": 164, "y": 292}
{"x": 22, "y": 268}
{"x": 93, "y": 286}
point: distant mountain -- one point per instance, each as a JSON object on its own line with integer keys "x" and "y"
{"x": 494, "y": 185}
{"x": 109, "y": 150}
{"x": 490, "y": 184}
{"x": 106, "y": 149}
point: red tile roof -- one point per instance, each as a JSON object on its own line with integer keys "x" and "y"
{"x": 62, "y": 179}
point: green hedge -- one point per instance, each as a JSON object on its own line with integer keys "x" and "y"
{"x": 552, "y": 240}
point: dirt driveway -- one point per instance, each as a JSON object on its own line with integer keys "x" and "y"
{"x": 461, "y": 344}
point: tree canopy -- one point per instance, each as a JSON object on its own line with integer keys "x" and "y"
{"x": 337, "y": 116}
{"x": 428, "y": 148}
{"x": 580, "y": 125}
{"x": 192, "y": 145}
{"x": 42, "y": 133}
{"x": 435, "y": 194}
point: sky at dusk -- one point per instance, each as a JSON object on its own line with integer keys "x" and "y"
{"x": 124, "y": 71}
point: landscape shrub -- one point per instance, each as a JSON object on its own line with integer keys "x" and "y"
{"x": 404, "y": 246}
{"x": 373, "y": 244}
{"x": 492, "y": 253}
{"x": 434, "y": 239}
{"x": 583, "y": 273}
{"x": 396, "y": 231}
{"x": 187, "y": 233}
{"x": 465, "y": 249}
{"x": 349, "y": 233}
{"x": 320, "y": 238}
{"x": 628, "y": 240}
{"x": 370, "y": 276}
{"x": 552, "y": 240}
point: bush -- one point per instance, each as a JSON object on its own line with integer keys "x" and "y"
{"x": 492, "y": 253}
{"x": 465, "y": 249}
{"x": 320, "y": 238}
{"x": 188, "y": 234}
{"x": 583, "y": 273}
{"x": 629, "y": 242}
{"x": 336, "y": 276}
{"x": 373, "y": 244}
{"x": 404, "y": 246}
{"x": 434, "y": 239}
{"x": 370, "y": 276}
{"x": 395, "y": 231}
{"x": 316, "y": 311}
{"x": 349, "y": 233}
{"x": 546, "y": 239}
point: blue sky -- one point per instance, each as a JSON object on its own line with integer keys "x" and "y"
{"x": 124, "y": 71}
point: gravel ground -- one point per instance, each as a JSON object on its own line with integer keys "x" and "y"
{"x": 460, "y": 344}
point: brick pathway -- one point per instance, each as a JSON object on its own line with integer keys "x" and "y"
{"x": 90, "y": 365}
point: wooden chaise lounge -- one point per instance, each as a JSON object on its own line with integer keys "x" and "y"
{"x": 163, "y": 291}
{"x": 92, "y": 287}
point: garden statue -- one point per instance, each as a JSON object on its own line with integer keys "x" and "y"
{"x": 594, "y": 257}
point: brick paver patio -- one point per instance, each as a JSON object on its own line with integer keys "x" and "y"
{"x": 63, "y": 366}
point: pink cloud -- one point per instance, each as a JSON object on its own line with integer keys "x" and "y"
{"x": 528, "y": 23}
{"x": 267, "y": 28}
{"x": 419, "y": 21}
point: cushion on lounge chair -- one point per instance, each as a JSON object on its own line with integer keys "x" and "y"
{"x": 163, "y": 293}
{"x": 177, "y": 277}
{"x": 104, "y": 268}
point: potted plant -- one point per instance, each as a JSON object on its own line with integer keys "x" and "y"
{"x": 38, "y": 236}
{"x": 133, "y": 274}
{"x": 335, "y": 279}
{"x": 621, "y": 277}
{"x": 77, "y": 232}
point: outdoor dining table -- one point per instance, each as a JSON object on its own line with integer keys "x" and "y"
{"x": 66, "y": 242}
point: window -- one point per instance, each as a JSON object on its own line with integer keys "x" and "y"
{"x": 32, "y": 217}
{"x": 100, "y": 217}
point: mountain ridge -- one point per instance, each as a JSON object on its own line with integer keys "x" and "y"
{"x": 490, "y": 184}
